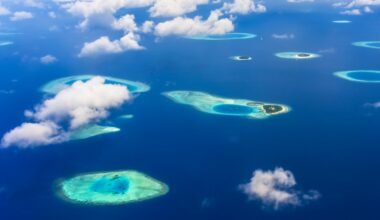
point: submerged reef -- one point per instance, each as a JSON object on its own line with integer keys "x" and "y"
{"x": 127, "y": 116}
{"x": 5, "y": 43}
{"x": 368, "y": 44}
{"x": 111, "y": 188}
{"x": 241, "y": 58}
{"x": 342, "y": 21}
{"x": 91, "y": 131}
{"x": 57, "y": 85}
{"x": 297, "y": 55}
{"x": 363, "y": 76}
{"x": 228, "y": 36}
{"x": 224, "y": 106}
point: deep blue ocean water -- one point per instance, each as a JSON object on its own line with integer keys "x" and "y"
{"x": 329, "y": 140}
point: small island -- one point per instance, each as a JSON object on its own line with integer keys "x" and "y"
{"x": 228, "y": 36}
{"x": 225, "y": 106}
{"x": 241, "y": 58}
{"x": 57, "y": 85}
{"x": 368, "y": 44}
{"x": 111, "y": 188}
{"x": 297, "y": 55}
{"x": 363, "y": 76}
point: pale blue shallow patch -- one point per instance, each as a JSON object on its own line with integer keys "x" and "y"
{"x": 5, "y": 43}
{"x": 57, "y": 85}
{"x": 363, "y": 76}
{"x": 228, "y": 36}
{"x": 342, "y": 21}
{"x": 368, "y": 44}
{"x": 297, "y": 55}
{"x": 232, "y": 109}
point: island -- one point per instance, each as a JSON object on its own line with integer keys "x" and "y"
{"x": 297, "y": 55}
{"x": 57, "y": 85}
{"x": 363, "y": 76}
{"x": 241, "y": 58}
{"x": 91, "y": 131}
{"x": 227, "y": 36}
{"x": 111, "y": 188}
{"x": 225, "y": 106}
{"x": 368, "y": 44}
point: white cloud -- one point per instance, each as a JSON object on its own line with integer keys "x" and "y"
{"x": 173, "y": 8}
{"x": 189, "y": 27}
{"x": 83, "y": 102}
{"x": 99, "y": 11}
{"x": 104, "y": 45}
{"x": 78, "y": 105}
{"x": 47, "y": 59}
{"x": 244, "y": 7}
{"x": 4, "y": 10}
{"x": 367, "y": 9}
{"x": 147, "y": 27}
{"x": 358, "y": 3}
{"x": 299, "y": 1}
{"x": 276, "y": 188}
{"x": 52, "y": 14}
{"x": 351, "y": 12}
{"x": 34, "y": 3}
{"x": 126, "y": 23}
{"x": 33, "y": 134}
{"x": 283, "y": 36}
{"x": 21, "y": 15}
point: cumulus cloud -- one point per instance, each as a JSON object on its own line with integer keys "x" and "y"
{"x": 190, "y": 27}
{"x": 276, "y": 189}
{"x": 244, "y": 7}
{"x": 359, "y": 3}
{"x": 173, "y": 8}
{"x": 99, "y": 11}
{"x": 34, "y": 3}
{"x": 351, "y": 12}
{"x": 21, "y": 15}
{"x": 126, "y": 23}
{"x": 147, "y": 27}
{"x": 52, "y": 14}
{"x": 283, "y": 36}
{"x": 4, "y": 10}
{"x": 299, "y": 1}
{"x": 104, "y": 45}
{"x": 76, "y": 106}
{"x": 357, "y": 7}
{"x": 34, "y": 134}
{"x": 47, "y": 59}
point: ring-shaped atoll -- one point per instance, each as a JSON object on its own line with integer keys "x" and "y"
{"x": 297, "y": 55}
{"x": 341, "y": 21}
{"x": 111, "y": 188}
{"x": 91, "y": 131}
{"x": 363, "y": 76}
{"x": 241, "y": 58}
{"x": 57, "y": 85}
{"x": 227, "y": 36}
{"x": 368, "y": 44}
{"x": 224, "y": 106}
{"x": 5, "y": 43}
